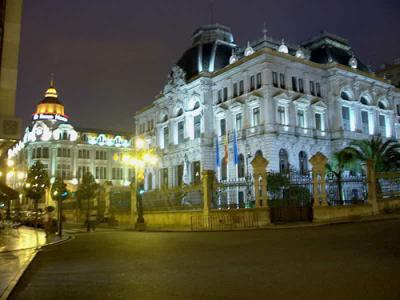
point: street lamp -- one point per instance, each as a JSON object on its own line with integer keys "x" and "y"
{"x": 140, "y": 158}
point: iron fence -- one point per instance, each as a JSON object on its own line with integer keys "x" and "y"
{"x": 233, "y": 194}
{"x": 349, "y": 189}
{"x": 388, "y": 185}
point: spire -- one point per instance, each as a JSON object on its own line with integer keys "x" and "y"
{"x": 51, "y": 91}
{"x": 264, "y": 31}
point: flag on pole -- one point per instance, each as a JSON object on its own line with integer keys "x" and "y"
{"x": 217, "y": 160}
{"x": 235, "y": 149}
{"x": 226, "y": 149}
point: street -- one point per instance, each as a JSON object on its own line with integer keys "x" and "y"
{"x": 344, "y": 261}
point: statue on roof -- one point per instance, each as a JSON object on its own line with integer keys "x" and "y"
{"x": 176, "y": 79}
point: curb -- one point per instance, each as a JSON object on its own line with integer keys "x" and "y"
{"x": 14, "y": 281}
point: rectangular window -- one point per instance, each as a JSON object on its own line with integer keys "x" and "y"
{"x": 101, "y": 155}
{"x": 164, "y": 177}
{"x": 346, "y": 118}
{"x": 256, "y": 116}
{"x": 45, "y": 152}
{"x": 180, "y": 132}
{"x": 252, "y": 83}
{"x": 179, "y": 175}
{"x": 166, "y": 137}
{"x": 235, "y": 89}
{"x": 300, "y": 118}
{"x": 275, "y": 79}
{"x": 365, "y": 121}
{"x": 39, "y": 152}
{"x": 239, "y": 121}
{"x": 294, "y": 84}
{"x": 259, "y": 80}
{"x": 312, "y": 88}
{"x": 318, "y": 88}
{"x": 318, "y": 121}
{"x": 281, "y": 114}
{"x": 197, "y": 126}
{"x": 282, "y": 81}
{"x": 222, "y": 127}
{"x": 398, "y": 109}
{"x": 219, "y": 96}
{"x": 225, "y": 93}
{"x": 64, "y": 171}
{"x": 241, "y": 87}
{"x": 382, "y": 125}
{"x": 301, "y": 85}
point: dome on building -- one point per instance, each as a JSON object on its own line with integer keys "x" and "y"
{"x": 283, "y": 48}
{"x": 353, "y": 62}
{"x": 300, "y": 53}
{"x": 50, "y": 107}
{"x": 249, "y": 50}
{"x": 233, "y": 58}
{"x": 210, "y": 51}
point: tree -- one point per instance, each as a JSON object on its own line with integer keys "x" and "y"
{"x": 37, "y": 181}
{"x": 341, "y": 161}
{"x": 86, "y": 192}
{"x": 384, "y": 155}
{"x": 59, "y": 193}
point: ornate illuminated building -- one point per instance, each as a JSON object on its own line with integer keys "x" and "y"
{"x": 66, "y": 151}
{"x": 286, "y": 101}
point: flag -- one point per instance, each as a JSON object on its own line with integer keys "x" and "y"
{"x": 217, "y": 160}
{"x": 226, "y": 149}
{"x": 235, "y": 149}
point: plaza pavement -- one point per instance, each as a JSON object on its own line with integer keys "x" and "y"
{"x": 344, "y": 261}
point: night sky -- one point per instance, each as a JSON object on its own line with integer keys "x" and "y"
{"x": 110, "y": 58}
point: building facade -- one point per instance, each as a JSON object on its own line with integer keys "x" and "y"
{"x": 222, "y": 104}
{"x": 68, "y": 152}
{"x": 10, "y": 27}
{"x": 391, "y": 72}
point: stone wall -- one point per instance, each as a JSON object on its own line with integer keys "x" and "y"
{"x": 341, "y": 213}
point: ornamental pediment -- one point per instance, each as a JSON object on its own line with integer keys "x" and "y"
{"x": 176, "y": 79}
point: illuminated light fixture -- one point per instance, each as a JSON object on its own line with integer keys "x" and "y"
{"x": 10, "y": 163}
{"x": 139, "y": 143}
{"x": 52, "y": 180}
{"x": 20, "y": 175}
{"x": 74, "y": 181}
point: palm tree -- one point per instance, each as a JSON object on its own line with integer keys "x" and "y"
{"x": 341, "y": 161}
{"x": 384, "y": 155}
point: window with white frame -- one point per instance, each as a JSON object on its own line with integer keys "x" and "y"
{"x": 235, "y": 89}
{"x": 222, "y": 127}
{"x": 346, "y": 118}
{"x": 82, "y": 170}
{"x": 256, "y": 116}
{"x": 239, "y": 121}
{"x": 365, "y": 121}
{"x": 117, "y": 173}
{"x": 64, "y": 171}
{"x": 181, "y": 136}
{"x": 101, "y": 155}
{"x": 318, "y": 121}
{"x": 281, "y": 115}
{"x": 382, "y": 125}
{"x": 197, "y": 126}
{"x": 241, "y": 87}
{"x": 301, "y": 85}
{"x": 300, "y": 118}
{"x": 259, "y": 80}
{"x": 101, "y": 173}
{"x": 252, "y": 83}
{"x": 275, "y": 79}
{"x": 165, "y": 136}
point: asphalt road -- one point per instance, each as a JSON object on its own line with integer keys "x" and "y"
{"x": 349, "y": 261}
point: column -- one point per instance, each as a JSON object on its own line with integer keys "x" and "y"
{"x": 318, "y": 162}
{"x": 259, "y": 164}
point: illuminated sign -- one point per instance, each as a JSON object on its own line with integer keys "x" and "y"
{"x": 50, "y": 117}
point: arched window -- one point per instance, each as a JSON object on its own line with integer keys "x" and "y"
{"x": 150, "y": 181}
{"x": 224, "y": 169}
{"x": 65, "y": 135}
{"x": 303, "y": 167}
{"x": 283, "y": 161}
{"x": 364, "y": 100}
{"x": 240, "y": 166}
{"x": 381, "y": 105}
{"x": 344, "y": 96}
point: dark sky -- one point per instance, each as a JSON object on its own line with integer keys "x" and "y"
{"x": 110, "y": 58}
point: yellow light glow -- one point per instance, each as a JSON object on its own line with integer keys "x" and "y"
{"x": 116, "y": 157}
{"x": 1, "y": 174}
{"x": 20, "y": 175}
{"x": 10, "y": 163}
{"x": 10, "y": 174}
{"x": 139, "y": 143}
{"x": 28, "y": 185}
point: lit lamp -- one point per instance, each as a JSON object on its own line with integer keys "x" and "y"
{"x": 140, "y": 158}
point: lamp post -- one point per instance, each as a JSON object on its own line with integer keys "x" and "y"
{"x": 140, "y": 158}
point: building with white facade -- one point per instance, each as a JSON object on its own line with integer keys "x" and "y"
{"x": 66, "y": 151}
{"x": 287, "y": 101}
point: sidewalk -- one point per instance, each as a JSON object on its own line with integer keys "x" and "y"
{"x": 17, "y": 249}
